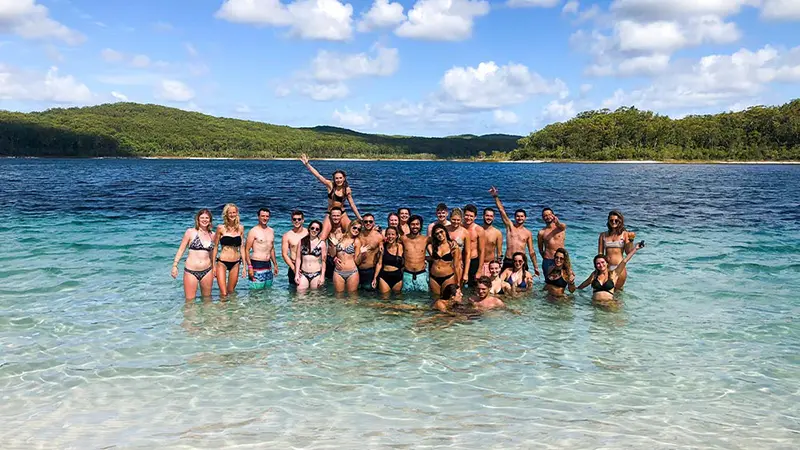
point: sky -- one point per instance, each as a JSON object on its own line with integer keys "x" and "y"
{"x": 413, "y": 67}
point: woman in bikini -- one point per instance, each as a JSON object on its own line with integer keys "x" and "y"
{"x": 560, "y": 276}
{"x": 197, "y": 268}
{"x": 604, "y": 280}
{"x": 310, "y": 260}
{"x": 498, "y": 285}
{"x": 518, "y": 276}
{"x": 615, "y": 243}
{"x": 460, "y": 235}
{"x": 347, "y": 257}
{"x": 338, "y": 192}
{"x": 445, "y": 257}
{"x": 389, "y": 269}
{"x": 229, "y": 258}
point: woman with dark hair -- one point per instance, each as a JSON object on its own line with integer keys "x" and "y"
{"x": 310, "y": 260}
{"x": 445, "y": 260}
{"x": 338, "y": 192}
{"x": 404, "y": 214}
{"x": 517, "y": 276}
{"x": 615, "y": 243}
{"x": 604, "y": 280}
{"x": 561, "y": 275}
{"x": 498, "y": 286}
{"x": 389, "y": 269}
{"x": 197, "y": 268}
{"x": 229, "y": 236}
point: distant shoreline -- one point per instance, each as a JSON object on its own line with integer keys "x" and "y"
{"x": 543, "y": 161}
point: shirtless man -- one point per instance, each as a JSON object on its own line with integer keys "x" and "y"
{"x": 371, "y": 240}
{"x": 333, "y": 236}
{"x": 483, "y": 301}
{"x": 518, "y": 237}
{"x": 291, "y": 242}
{"x": 550, "y": 239}
{"x": 415, "y": 275}
{"x": 493, "y": 249}
{"x": 477, "y": 240}
{"x": 441, "y": 217}
{"x": 403, "y": 214}
{"x": 261, "y": 240}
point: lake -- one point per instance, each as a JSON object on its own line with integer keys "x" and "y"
{"x": 99, "y": 349}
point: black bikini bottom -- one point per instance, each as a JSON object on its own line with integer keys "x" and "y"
{"x": 441, "y": 280}
{"x": 229, "y": 264}
{"x": 199, "y": 274}
{"x": 391, "y": 278}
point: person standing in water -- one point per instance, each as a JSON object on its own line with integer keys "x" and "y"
{"x": 550, "y": 238}
{"x": 197, "y": 269}
{"x": 392, "y": 220}
{"x": 441, "y": 217}
{"x": 371, "y": 243}
{"x": 461, "y": 237}
{"x": 311, "y": 258}
{"x": 560, "y": 276}
{"x": 493, "y": 249}
{"x": 615, "y": 243}
{"x": 403, "y": 214}
{"x": 229, "y": 259}
{"x": 335, "y": 233}
{"x": 347, "y": 256}
{"x": 262, "y": 263}
{"x": 290, "y": 242}
{"x": 477, "y": 242}
{"x": 338, "y": 192}
{"x": 415, "y": 275}
{"x": 518, "y": 237}
{"x": 389, "y": 270}
{"x": 446, "y": 264}
{"x": 603, "y": 280}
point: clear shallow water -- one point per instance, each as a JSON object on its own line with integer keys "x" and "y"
{"x": 99, "y": 350}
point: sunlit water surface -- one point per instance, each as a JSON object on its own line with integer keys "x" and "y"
{"x": 100, "y": 351}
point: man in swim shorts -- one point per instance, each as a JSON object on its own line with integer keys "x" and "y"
{"x": 518, "y": 237}
{"x": 291, "y": 241}
{"x": 415, "y": 275}
{"x": 477, "y": 243}
{"x": 262, "y": 263}
{"x": 371, "y": 240}
{"x": 493, "y": 250}
{"x": 550, "y": 238}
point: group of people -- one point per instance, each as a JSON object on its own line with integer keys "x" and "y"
{"x": 357, "y": 254}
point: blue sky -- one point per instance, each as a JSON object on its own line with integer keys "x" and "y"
{"x": 424, "y": 67}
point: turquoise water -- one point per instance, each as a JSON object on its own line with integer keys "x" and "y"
{"x": 100, "y": 351}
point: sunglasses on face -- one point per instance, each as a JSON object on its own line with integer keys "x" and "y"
{"x": 313, "y": 229}
{"x": 356, "y": 228}
{"x": 558, "y": 258}
{"x": 614, "y": 221}
{"x": 369, "y": 221}
{"x": 519, "y": 261}
{"x": 297, "y": 219}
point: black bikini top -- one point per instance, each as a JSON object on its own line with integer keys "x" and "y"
{"x": 608, "y": 286}
{"x": 447, "y": 257}
{"x": 337, "y": 198}
{"x": 316, "y": 251}
{"x": 231, "y": 241}
{"x": 557, "y": 282}
{"x": 392, "y": 260}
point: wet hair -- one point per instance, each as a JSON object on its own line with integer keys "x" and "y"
{"x": 230, "y": 224}
{"x": 441, "y": 207}
{"x": 621, "y": 226}
{"x": 524, "y": 260}
{"x": 449, "y": 291}
{"x": 544, "y": 210}
{"x": 521, "y": 211}
{"x": 336, "y": 208}
{"x": 457, "y": 212}
{"x": 484, "y": 280}
{"x": 345, "y": 185}
{"x": 297, "y": 212}
{"x": 471, "y": 208}
{"x": 416, "y": 217}
{"x": 266, "y": 210}
{"x": 566, "y": 269}
{"x": 197, "y": 219}
{"x": 305, "y": 243}
{"x": 485, "y": 210}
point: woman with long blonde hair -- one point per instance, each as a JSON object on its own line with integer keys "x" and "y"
{"x": 229, "y": 258}
{"x": 197, "y": 268}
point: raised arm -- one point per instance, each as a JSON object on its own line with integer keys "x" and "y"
{"x": 184, "y": 243}
{"x": 624, "y": 262}
{"x": 496, "y": 194}
{"x": 352, "y": 203}
{"x": 328, "y": 183}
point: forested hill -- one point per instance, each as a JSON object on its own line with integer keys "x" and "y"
{"x": 135, "y": 130}
{"x": 756, "y": 134}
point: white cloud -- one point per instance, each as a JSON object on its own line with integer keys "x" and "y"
{"x": 442, "y": 20}
{"x": 119, "y": 96}
{"x": 140, "y": 61}
{"x": 328, "y": 66}
{"x": 556, "y": 111}
{"x": 585, "y": 88}
{"x": 30, "y": 20}
{"x": 308, "y": 19}
{"x": 781, "y": 10}
{"x": 669, "y": 36}
{"x": 323, "y": 92}
{"x": 502, "y": 117}
{"x": 24, "y": 85}
{"x": 532, "y": 3}
{"x": 174, "y": 91}
{"x": 571, "y": 7}
{"x": 644, "y": 65}
{"x": 136, "y": 61}
{"x": 355, "y": 119}
{"x": 382, "y": 14}
{"x": 714, "y": 80}
{"x": 490, "y": 86}
{"x": 110, "y": 55}
{"x": 675, "y": 9}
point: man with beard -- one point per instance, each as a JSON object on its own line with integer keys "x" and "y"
{"x": 415, "y": 275}
{"x": 477, "y": 240}
{"x": 371, "y": 240}
{"x": 291, "y": 241}
{"x": 519, "y": 238}
{"x": 550, "y": 239}
{"x": 493, "y": 238}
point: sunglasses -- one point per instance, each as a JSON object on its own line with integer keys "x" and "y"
{"x": 369, "y": 221}
{"x": 558, "y": 258}
{"x": 614, "y": 221}
{"x": 356, "y": 228}
{"x": 297, "y": 219}
{"x": 519, "y": 261}
{"x": 313, "y": 229}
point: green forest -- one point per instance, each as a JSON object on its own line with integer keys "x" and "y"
{"x": 135, "y": 130}
{"x": 759, "y": 133}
